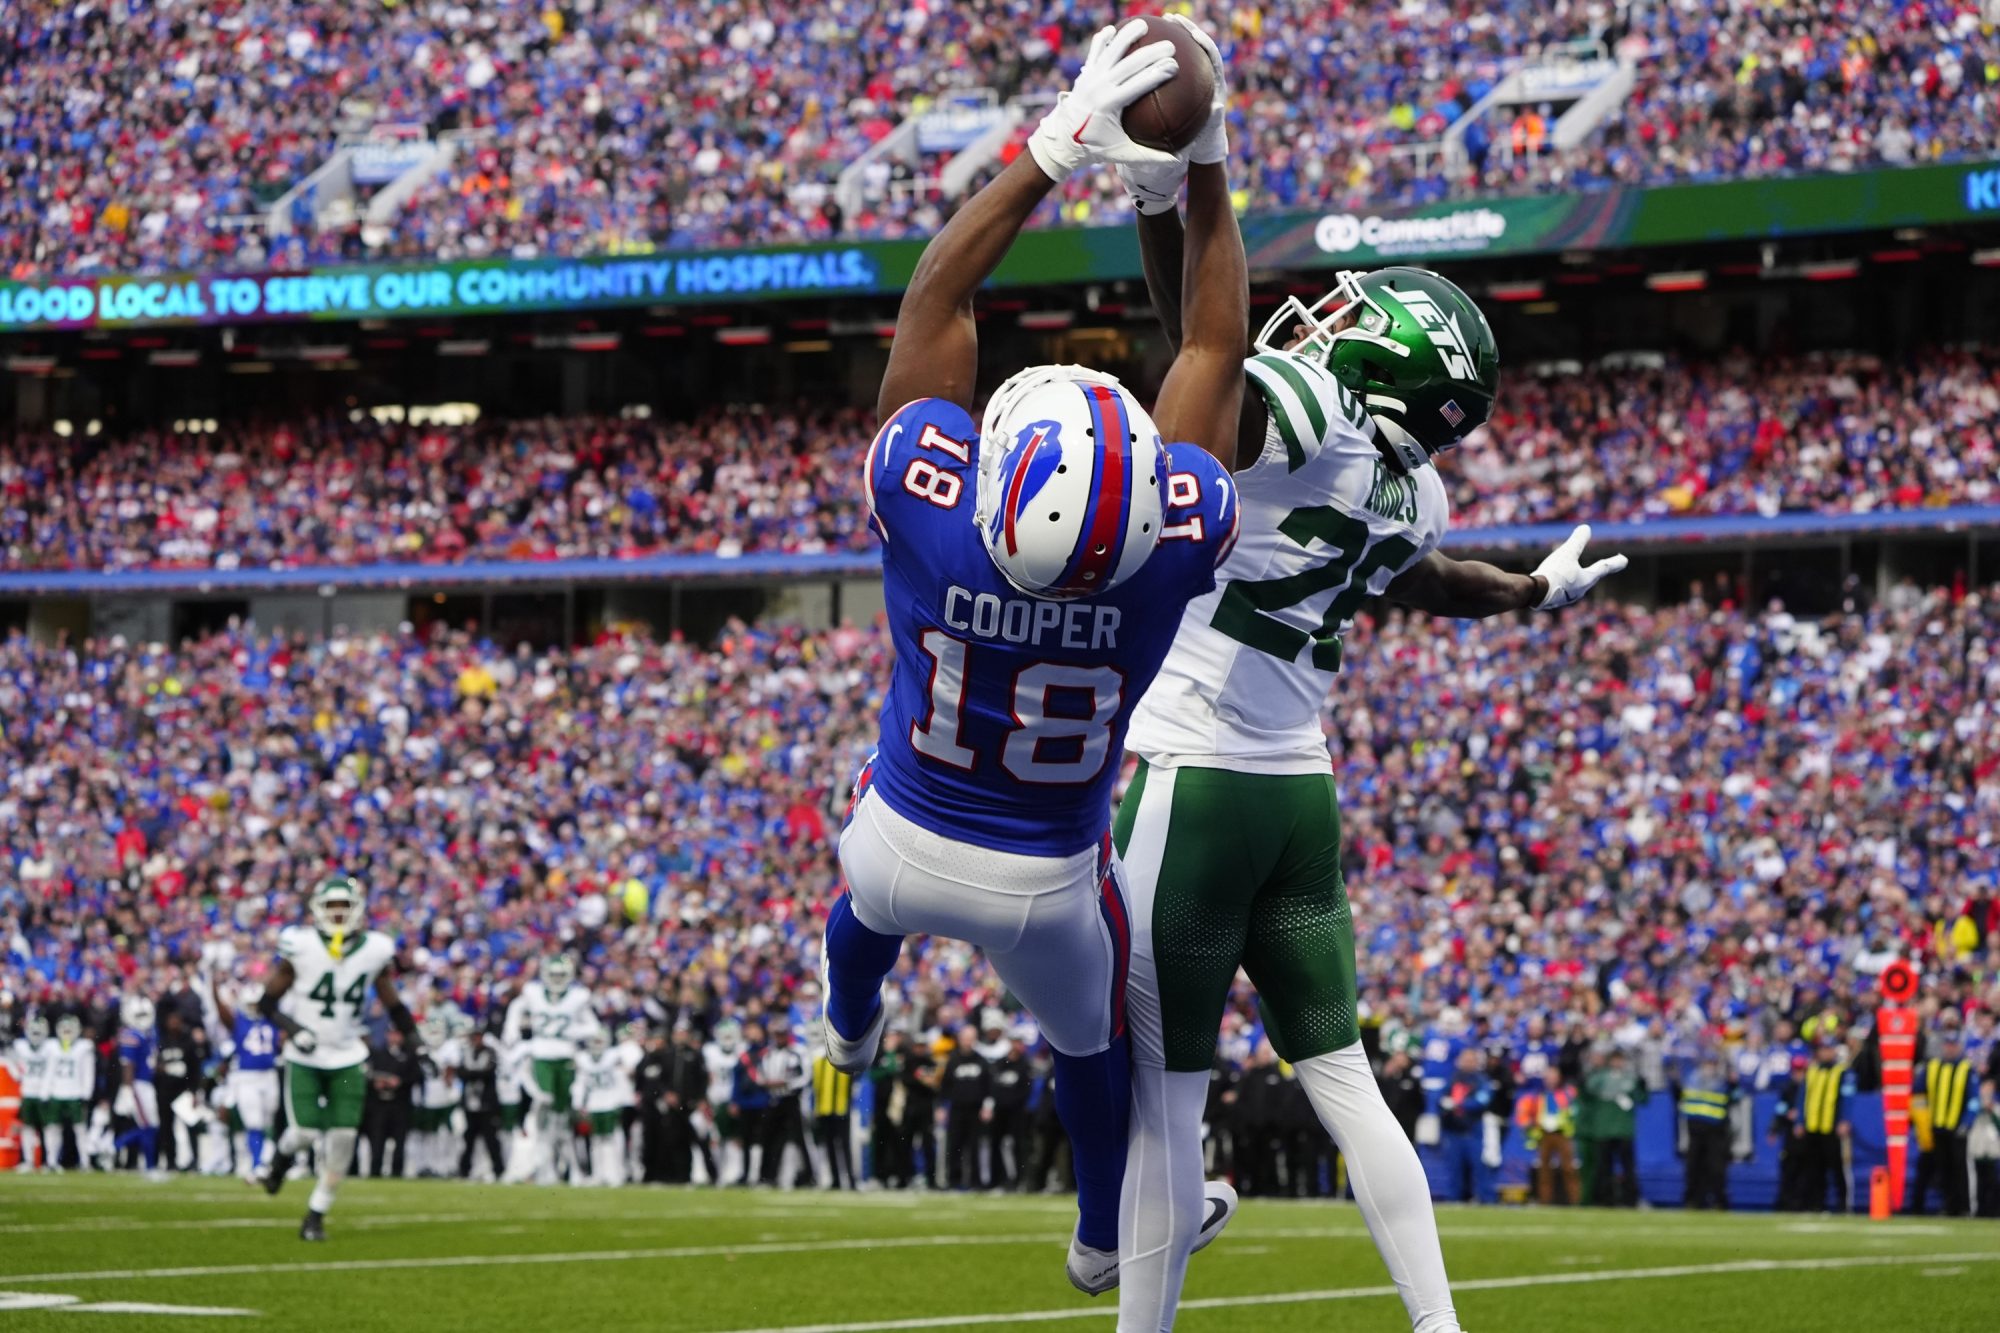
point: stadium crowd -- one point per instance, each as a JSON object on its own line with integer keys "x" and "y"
{"x": 330, "y": 490}
{"x": 1734, "y": 436}
{"x": 1620, "y": 842}
{"x": 149, "y": 134}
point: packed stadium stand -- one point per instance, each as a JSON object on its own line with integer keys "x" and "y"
{"x": 1736, "y": 435}
{"x": 156, "y": 136}
{"x": 1676, "y": 826}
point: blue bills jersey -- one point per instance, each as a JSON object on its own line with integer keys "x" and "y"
{"x": 1005, "y": 719}
{"x": 135, "y": 1048}
{"x": 257, "y": 1044}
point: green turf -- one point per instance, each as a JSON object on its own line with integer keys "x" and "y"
{"x": 425, "y": 1256}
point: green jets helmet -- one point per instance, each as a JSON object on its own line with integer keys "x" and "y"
{"x": 1409, "y": 344}
{"x": 336, "y": 905}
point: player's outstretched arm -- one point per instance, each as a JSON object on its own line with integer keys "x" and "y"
{"x": 1202, "y": 399}
{"x": 399, "y": 1013}
{"x": 1473, "y": 590}
{"x": 275, "y": 990}
{"x": 935, "y": 353}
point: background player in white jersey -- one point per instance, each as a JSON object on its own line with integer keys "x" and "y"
{"x": 604, "y": 1083}
{"x": 434, "y": 1147}
{"x": 72, "y": 1083}
{"x": 332, "y": 963}
{"x": 555, "y": 1014}
{"x": 1231, "y": 831}
{"x": 30, "y": 1062}
{"x": 719, "y": 1056}
{"x": 513, "y": 1080}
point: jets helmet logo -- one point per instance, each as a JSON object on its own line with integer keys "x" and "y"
{"x": 1442, "y": 328}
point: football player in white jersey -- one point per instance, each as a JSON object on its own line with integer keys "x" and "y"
{"x": 331, "y": 964}
{"x": 433, "y": 1146}
{"x": 72, "y": 1083}
{"x": 554, "y": 1015}
{"x": 29, "y": 1062}
{"x": 604, "y": 1081}
{"x": 1231, "y": 831}
{"x": 719, "y": 1056}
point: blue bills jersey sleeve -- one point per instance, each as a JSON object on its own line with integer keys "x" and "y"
{"x": 1201, "y": 518}
{"x": 919, "y": 472}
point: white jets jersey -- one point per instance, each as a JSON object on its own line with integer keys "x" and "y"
{"x": 513, "y": 1073}
{"x": 31, "y": 1067}
{"x": 556, "y": 1025}
{"x": 604, "y": 1081}
{"x": 441, "y": 1076}
{"x": 72, "y": 1071}
{"x": 721, "y": 1066}
{"x": 329, "y": 994}
{"x": 1326, "y": 523}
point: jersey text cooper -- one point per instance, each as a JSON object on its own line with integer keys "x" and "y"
{"x": 1074, "y": 625}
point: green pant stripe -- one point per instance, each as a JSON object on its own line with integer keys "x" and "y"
{"x": 1239, "y": 869}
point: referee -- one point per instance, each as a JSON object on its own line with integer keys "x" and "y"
{"x": 1820, "y": 1130}
{"x": 833, "y": 1097}
{"x": 1952, "y": 1093}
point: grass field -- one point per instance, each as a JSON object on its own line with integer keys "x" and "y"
{"x": 430, "y": 1256}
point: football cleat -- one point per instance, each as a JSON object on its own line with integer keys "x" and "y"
{"x": 849, "y": 1057}
{"x": 314, "y": 1227}
{"x": 274, "y": 1175}
{"x": 1091, "y": 1271}
{"x": 1094, "y": 1272}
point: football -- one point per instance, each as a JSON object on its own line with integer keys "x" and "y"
{"x": 1169, "y": 117}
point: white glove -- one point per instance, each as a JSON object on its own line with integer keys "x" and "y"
{"x": 1156, "y": 187}
{"x": 304, "y": 1042}
{"x": 1212, "y": 144}
{"x": 1569, "y": 578}
{"x": 1085, "y": 124}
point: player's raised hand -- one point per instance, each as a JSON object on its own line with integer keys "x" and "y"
{"x": 1086, "y": 122}
{"x": 1567, "y": 576}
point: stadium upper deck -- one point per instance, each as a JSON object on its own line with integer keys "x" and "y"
{"x": 154, "y": 135}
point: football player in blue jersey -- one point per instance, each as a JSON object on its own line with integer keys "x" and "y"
{"x": 136, "y": 1041}
{"x": 252, "y": 1042}
{"x": 1036, "y": 563}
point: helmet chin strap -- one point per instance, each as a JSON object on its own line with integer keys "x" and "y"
{"x": 1400, "y": 449}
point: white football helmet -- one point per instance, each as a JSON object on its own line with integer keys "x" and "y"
{"x": 68, "y": 1028}
{"x": 598, "y": 1042}
{"x": 38, "y": 1029}
{"x": 558, "y": 971}
{"x": 336, "y": 905}
{"x": 1072, "y": 482}
{"x": 137, "y": 1013}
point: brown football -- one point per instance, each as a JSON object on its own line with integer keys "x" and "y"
{"x": 1173, "y": 113}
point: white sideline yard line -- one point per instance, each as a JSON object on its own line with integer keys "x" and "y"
{"x": 1358, "y": 1293}
{"x": 568, "y": 1257}
{"x": 372, "y": 1220}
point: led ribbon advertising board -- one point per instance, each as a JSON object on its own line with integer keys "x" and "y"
{"x": 1625, "y": 216}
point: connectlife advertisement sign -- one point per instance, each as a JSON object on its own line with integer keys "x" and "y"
{"x": 1346, "y": 238}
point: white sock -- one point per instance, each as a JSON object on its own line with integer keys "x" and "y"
{"x": 293, "y": 1141}
{"x": 1388, "y": 1180}
{"x": 1160, "y": 1210}
{"x": 333, "y": 1160}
